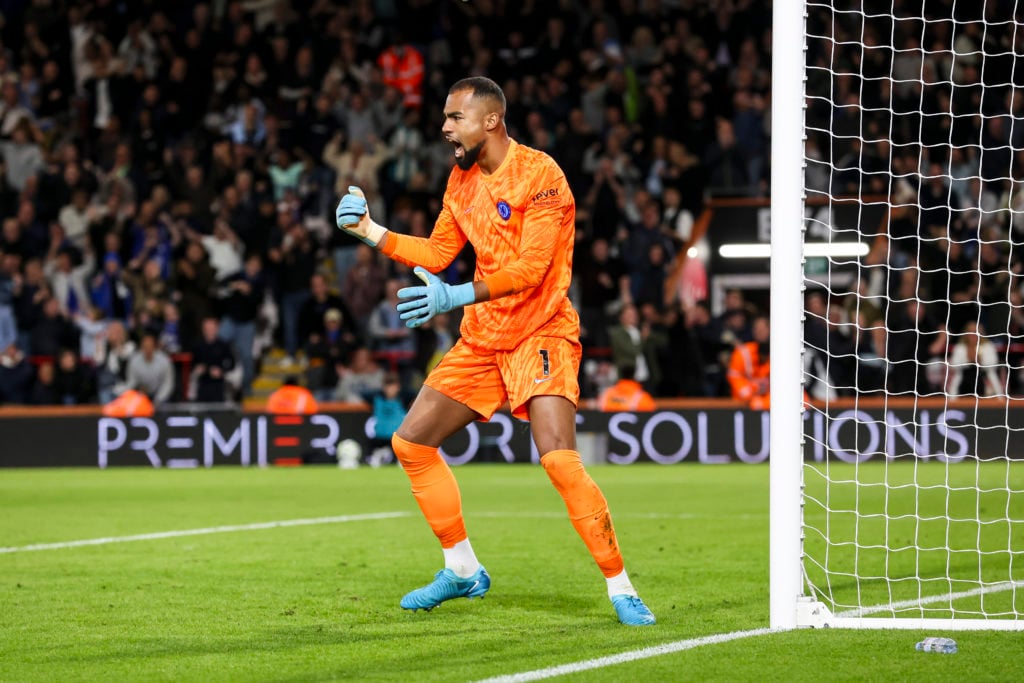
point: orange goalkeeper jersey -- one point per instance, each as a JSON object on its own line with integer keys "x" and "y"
{"x": 521, "y": 223}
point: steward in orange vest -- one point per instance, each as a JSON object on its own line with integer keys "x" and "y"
{"x": 291, "y": 399}
{"x": 402, "y": 68}
{"x": 130, "y": 403}
{"x": 626, "y": 394}
{"x": 749, "y": 368}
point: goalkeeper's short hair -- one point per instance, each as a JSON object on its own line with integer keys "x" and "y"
{"x": 482, "y": 87}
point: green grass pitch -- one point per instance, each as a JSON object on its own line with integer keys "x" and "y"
{"x": 320, "y": 602}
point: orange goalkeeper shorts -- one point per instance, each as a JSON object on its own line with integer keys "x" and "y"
{"x": 483, "y": 380}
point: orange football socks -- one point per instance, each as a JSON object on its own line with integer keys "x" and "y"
{"x": 434, "y": 488}
{"x": 588, "y": 509}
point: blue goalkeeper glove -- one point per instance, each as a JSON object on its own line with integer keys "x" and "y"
{"x": 420, "y": 304}
{"x": 353, "y": 217}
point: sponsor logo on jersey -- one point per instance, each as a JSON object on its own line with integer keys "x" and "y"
{"x": 547, "y": 197}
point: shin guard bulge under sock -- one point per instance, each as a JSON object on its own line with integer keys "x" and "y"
{"x": 588, "y": 509}
{"x": 434, "y": 488}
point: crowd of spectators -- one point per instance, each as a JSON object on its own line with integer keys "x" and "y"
{"x": 927, "y": 120}
{"x": 169, "y": 173}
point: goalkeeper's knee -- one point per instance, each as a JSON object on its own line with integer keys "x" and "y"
{"x": 415, "y": 458}
{"x": 563, "y": 468}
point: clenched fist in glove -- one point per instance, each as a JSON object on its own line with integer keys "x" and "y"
{"x": 353, "y": 217}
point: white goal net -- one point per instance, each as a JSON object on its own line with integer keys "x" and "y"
{"x": 912, "y": 456}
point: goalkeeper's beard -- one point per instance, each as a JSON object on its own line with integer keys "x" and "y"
{"x": 469, "y": 156}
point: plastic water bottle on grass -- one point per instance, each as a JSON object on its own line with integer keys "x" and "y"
{"x": 946, "y": 646}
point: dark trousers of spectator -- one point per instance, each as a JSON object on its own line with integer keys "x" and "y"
{"x": 596, "y": 324}
{"x": 8, "y": 326}
{"x": 241, "y": 336}
{"x": 25, "y": 341}
{"x": 344, "y": 259}
{"x": 324, "y": 198}
{"x": 210, "y": 390}
{"x": 291, "y": 304}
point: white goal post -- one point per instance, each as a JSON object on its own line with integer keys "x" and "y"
{"x": 897, "y": 496}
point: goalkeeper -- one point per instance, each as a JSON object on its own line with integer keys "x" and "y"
{"x": 520, "y": 336}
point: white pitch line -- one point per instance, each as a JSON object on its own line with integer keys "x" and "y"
{"x": 285, "y": 523}
{"x": 931, "y": 599}
{"x": 623, "y": 657}
{"x": 678, "y": 646}
{"x": 204, "y": 531}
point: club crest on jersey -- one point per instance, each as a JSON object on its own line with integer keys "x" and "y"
{"x": 504, "y": 210}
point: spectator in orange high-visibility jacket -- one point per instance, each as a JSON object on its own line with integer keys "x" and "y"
{"x": 291, "y": 399}
{"x": 749, "y": 368}
{"x": 130, "y": 403}
{"x": 401, "y": 67}
{"x": 626, "y": 394}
